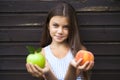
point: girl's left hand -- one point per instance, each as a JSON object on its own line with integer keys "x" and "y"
{"x": 85, "y": 67}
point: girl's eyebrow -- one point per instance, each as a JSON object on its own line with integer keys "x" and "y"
{"x": 54, "y": 22}
{"x": 66, "y": 25}
{"x": 63, "y": 25}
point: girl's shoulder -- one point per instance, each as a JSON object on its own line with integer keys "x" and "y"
{"x": 43, "y": 50}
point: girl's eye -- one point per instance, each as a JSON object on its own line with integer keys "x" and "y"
{"x": 65, "y": 27}
{"x": 55, "y": 25}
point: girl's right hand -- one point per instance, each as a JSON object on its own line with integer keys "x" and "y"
{"x": 36, "y": 71}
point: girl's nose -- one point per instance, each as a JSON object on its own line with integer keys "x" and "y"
{"x": 60, "y": 30}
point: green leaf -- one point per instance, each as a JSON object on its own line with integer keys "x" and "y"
{"x": 30, "y": 49}
{"x": 38, "y": 50}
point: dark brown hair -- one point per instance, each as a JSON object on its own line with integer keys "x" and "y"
{"x": 63, "y": 9}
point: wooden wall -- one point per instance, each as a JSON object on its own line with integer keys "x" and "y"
{"x": 21, "y": 22}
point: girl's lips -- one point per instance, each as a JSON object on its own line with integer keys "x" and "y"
{"x": 59, "y": 37}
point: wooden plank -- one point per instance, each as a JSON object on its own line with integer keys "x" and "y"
{"x": 99, "y": 49}
{"x": 26, "y": 6}
{"x": 105, "y": 75}
{"x": 44, "y": 6}
{"x": 96, "y": 75}
{"x": 16, "y": 76}
{"x": 34, "y": 34}
{"x": 12, "y": 63}
{"x": 16, "y": 49}
{"x": 18, "y": 63}
{"x": 100, "y": 34}
{"x": 20, "y": 20}
{"x": 20, "y": 34}
{"x": 104, "y": 49}
{"x": 92, "y": 18}
{"x": 37, "y": 19}
{"x": 107, "y": 63}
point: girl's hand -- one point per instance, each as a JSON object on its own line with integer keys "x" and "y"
{"x": 36, "y": 71}
{"x": 85, "y": 67}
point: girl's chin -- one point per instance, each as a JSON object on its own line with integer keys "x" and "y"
{"x": 59, "y": 40}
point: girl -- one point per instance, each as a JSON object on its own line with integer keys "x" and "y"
{"x": 60, "y": 43}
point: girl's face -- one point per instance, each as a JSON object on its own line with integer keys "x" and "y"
{"x": 58, "y": 28}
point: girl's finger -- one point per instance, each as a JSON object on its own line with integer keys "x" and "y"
{"x": 28, "y": 68}
{"x": 83, "y": 67}
{"x": 34, "y": 72}
{"x": 78, "y": 62}
{"x": 40, "y": 70}
{"x": 90, "y": 66}
{"x": 73, "y": 63}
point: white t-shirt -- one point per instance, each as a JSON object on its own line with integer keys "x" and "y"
{"x": 59, "y": 66}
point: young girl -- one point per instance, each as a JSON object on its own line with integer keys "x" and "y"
{"x": 60, "y": 43}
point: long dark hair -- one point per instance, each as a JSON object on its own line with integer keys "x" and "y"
{"x": 63, "y": 9}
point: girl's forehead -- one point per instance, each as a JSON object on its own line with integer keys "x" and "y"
{"x": 62, "y": 19}
{"x": 59, "y": 17}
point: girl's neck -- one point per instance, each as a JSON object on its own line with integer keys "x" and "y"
{"x": 57, "y": 45}
{"x": 59, "y": 50}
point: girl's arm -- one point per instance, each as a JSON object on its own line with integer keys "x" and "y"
{"x": 50, "y": 76}
{"x": 71, "y": 73}
{"x": 75, "y": 69}
{"x": 72, "y": 70}
{"x": 41, "y": 73}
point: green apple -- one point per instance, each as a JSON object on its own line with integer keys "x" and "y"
{"x": 35, "y": 57}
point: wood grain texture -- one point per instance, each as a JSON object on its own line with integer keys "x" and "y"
{"x": 21, "y": 23}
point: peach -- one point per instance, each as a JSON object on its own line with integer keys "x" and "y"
{"x": 85, "y": 55}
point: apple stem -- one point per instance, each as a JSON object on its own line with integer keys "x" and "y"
{"x": 38, "y": 50}
{"x": 32, "y": 50}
